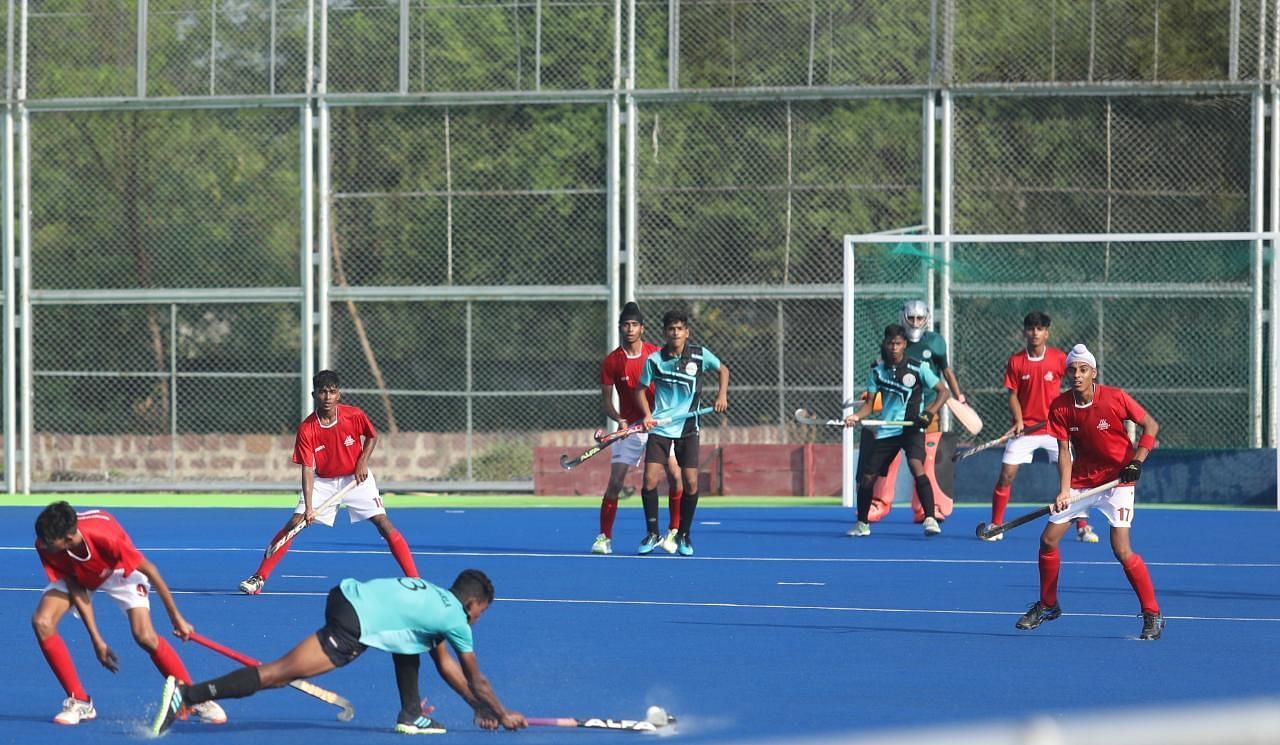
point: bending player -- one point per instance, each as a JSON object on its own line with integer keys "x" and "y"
{"x": 928, "y": 349}
{"x": 1093, "y": 449}
{"x": 328, "y": 448}
{"x": 620, "y": 372}
{"x": 404, "y": 616}
{"x": 673, "y": 371}
{"x": 1033, "y": 377}
{"x": 901, "y": 383}
{"x": 89, "y": 551}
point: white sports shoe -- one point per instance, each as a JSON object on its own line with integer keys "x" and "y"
{"x": 859, "y": 530}
{"x": 669, "y": 543}
{"x": 931, "y": 527}
{"x": 252, "y": 585}
{"x": 75, "y": 711}
{"x": 210, "y": 713}
{"x": 603, "y": 545}
{"x": 996, "y": 537}
{"x": 1086, "y": 534}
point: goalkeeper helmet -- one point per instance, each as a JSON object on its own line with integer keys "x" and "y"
{"x": 915, "y": 319}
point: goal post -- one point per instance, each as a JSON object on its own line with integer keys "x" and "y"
{"x": 1152, "y": 306}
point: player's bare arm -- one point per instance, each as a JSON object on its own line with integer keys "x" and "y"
{"x": 1150, "y": 428}
{"x": 722, "y": 395}
{"x": 953, "y": 384}
{"x": 485, "y": 695}
{"x": 644, "y": 407}
{"x": 308, "y": 488}
{"x": 606, "y": 403}
{"x": 362, "y": 463}
{"x": 83, "y": 604}
{"x": 941, "y": 399}
{"x": 181, "y": 628}
{"x": 1063, "y": 498}
{"x": 862, "y": 412}
{"x": 1015, "y": 412}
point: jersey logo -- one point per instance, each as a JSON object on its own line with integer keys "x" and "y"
{"x": 1049, "y": 376}
{"x": 927, "y": 353}
{"x": 320, "y": 448}
{"x": 1025, "y": 377}
{"x": 691, "y": 368}
{"x": 349, "y": 441}
{"x": 909, "y": 380}
{"x": 1102, "y": 425}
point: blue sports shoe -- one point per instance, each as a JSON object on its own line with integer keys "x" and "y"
{"x": 649, "y": 543}
{"x": 684, "y": 545}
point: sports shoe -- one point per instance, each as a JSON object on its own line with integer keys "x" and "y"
{"x": 684, "y": 545}
{"x": 1086, "y": 534}
{"x": 649, "y": 543}
{"x": 603, "y": 545}
{"x": 1152, "y": 626}
{"x": 423, "y": 725}
{"x": 75, "y": 711}
{"x": 859, "y": 530}
{"x": 252, "y": 585}
{"x": 170, "y": 706}
{"x": 931, "y": 527}
{"x": 669, "y": 543}
{"x": 1037, "y": 614}
{"x": 210, "y": 712}
{"x": 996, "y": 537}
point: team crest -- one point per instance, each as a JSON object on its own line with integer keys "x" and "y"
{"x": 1049, "y": 376}
{"x": 691, "y": 368}
{"x": 1103, "y": 425}
{"x": 927, "y": 353}
{"x": 349, "y": 441}
{"x": 909, "y": 380}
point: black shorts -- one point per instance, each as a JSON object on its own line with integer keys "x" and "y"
{"x": 340, "y": 635}
{"x": 875, "y": 455}
{"x": 659, "y": 447}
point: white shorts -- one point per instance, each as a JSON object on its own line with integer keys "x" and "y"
{"x": 127, "y": 592}
{"x": 630, "y": 449}
{"x": 363, "y": 501}
{"x": 1115, "y": 504}
{"x": 1020, "y": 450}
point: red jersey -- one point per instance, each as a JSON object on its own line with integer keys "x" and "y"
{"x": 106, "y": 548}
{"x": 1036, "y": 382}
{"x": 623, "y": 373}
{"x": 333, "y": 449}
{"x": 1099, "y": 443}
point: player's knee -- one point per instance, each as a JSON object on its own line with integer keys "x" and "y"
{"x": 43, "y": 624}
{"x": 1122, "y": 554}
{"x": 146, "y": 638}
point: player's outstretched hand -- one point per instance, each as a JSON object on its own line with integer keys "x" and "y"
{"x": 514, "y": 720}
{"x": 1131, "y": 473}
{"x": 107, "y": 656}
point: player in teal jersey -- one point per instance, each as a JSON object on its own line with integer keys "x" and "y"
{"x": 901, "y": 383}
{"x": 405, "y": 616}
{"x": 674, "y": 371}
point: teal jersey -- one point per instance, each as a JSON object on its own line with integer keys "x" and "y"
{"x": 675, "y": 382}
{"x": 931, "y": 351}
{"x": 901, "y": 388}
{"x": 407, "y": 615}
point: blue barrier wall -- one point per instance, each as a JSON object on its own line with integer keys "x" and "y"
{"x": 1225, "y": 477}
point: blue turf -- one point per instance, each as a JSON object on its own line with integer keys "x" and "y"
{"x": 863, "y": 638}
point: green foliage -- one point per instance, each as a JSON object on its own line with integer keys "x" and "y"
{"x": 506, "y": 461}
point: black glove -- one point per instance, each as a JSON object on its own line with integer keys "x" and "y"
{"x": 1130, "y": 473}
{"x": 924, "y": 420}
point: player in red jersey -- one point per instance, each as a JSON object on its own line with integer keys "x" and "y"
{"x": 90, "y": 551}
{"x": 620, "y": 373}
{"x": 1033, "y": 377}
{"x": 328, "y": 448}
{"x": 1093, "y": 449}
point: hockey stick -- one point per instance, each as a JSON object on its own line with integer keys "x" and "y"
{"x": 568, "y": 463}
{"x": 1002, "y": 439}
{"x": 311, "y": 689}
{"x": 803, "y": 416}
{"x": 324, "y": 507}
{"x": 643, "y": 726}
{"x": 985, "y": 531}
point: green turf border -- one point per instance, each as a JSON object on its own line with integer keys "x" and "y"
{"x": 465, "y": 501}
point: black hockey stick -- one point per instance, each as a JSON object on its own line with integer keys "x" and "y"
{"x": 985, "y": 531}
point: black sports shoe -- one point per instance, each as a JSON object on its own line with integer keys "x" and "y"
{"x": 1152, "y": 626}
{"x": 171, "y": 705}
{"x": 1037, "y": 614}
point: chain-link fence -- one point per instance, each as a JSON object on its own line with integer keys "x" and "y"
{"x": 447, "y": 200}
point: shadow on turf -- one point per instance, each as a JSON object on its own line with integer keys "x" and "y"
{"x": 901, "y": 630}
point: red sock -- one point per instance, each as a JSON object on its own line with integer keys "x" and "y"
{"x": 1082, "y": 523}
{"x": 608, "y": 511}
{"x": 168, "y": 662}
{"x": 1136, "y": 570}
{"x": 673, "y": 506}
{"x": 59, "y": 659}
{"x": 999, "y": 500}
{"x": 400, "y": 550}
{"x": 268, "y": 564}
{"x": 1050, "y": 564}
